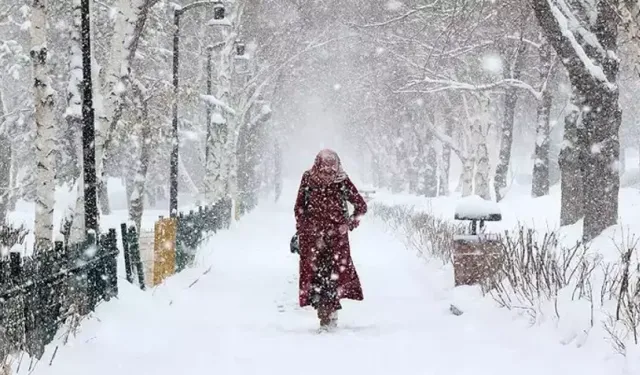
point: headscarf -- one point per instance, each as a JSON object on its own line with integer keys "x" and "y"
{"x": 327, "y": 168}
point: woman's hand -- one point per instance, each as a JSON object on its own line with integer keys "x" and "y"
{"x": 354, "y": 222}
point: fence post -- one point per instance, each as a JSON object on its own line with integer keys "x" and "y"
{"x": 181, "y": 256}
{"x": 134, "y": 247}
{"x": 14, "y": 307}
{"x": 55, "y": 298}
{"x": 127, "y": 254}
{"x": 33, "y": 307}
{"x": 111, "y": 265}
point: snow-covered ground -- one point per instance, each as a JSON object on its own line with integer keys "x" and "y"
{"x": 237, "y": 313}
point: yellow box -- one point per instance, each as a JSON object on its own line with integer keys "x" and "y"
{"x": 164, "y": 249}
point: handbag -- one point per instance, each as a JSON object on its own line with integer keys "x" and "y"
{"x": 294, "y": 246}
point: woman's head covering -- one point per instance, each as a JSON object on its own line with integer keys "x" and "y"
{"x": 327, "y": 168}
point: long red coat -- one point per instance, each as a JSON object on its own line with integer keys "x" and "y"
{"x": 323, "y": 221}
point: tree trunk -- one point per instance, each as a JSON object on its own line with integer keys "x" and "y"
{"x": 483, "y": 167}
{"x": 136, "y": 203}
{"x": 277, "y": 175}
{"x": 130, "y": 21}
{"x": 73, "y": 115}
{"x": 466, "y": 179}
{"x": 510, "y": 101}
{"x": 540, "y": 183}
{"x": 5, "y": 164}
{"x": 593, "y": 67}
{"x": 571, "y": 209}
{"x": 601, "y": 175}
{"x": 216, "y": 165}
{"x": 45, "y": 130}
{"x": 445, "y": 165}
{"x": 431, "y": 171}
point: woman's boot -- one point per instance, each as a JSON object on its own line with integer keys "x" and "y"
{"x": 324, "y": 315}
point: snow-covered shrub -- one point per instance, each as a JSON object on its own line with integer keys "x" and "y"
{"x": 544, "y": 278}
{"x": 422, "y": 232}
{"x": 536, "y": 268}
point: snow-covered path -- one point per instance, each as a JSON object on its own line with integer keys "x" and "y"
{"x": 242, "y": 318}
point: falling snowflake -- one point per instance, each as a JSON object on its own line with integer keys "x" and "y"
{"x": 394, "y": 5}
{"x": 492, "y": 63}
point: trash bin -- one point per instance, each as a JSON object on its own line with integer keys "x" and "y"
{"x": 477, "y": 255}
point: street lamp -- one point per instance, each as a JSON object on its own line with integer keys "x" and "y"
{"x": 218, "y": 14}
{"x": 241, "y": 60}
{"x": 88, "y": 126}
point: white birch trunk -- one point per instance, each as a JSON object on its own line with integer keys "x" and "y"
{"x": 130, "y": 20}
{"x": 5, "y": 163}
{"x": 479, "y": 136}
{"x": 214, "y": 173}
{"x": 136, "y": 205}
{"x": 44, "y": 96}
{"x": 483, "y": 167}
{"x": 74, "y": 118}
{"x": 466, "y": 179}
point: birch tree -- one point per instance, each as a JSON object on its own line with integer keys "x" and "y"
{"x": 5, "y": 163}
{"x": 130, "y": 22}
{"x": 44, "y": 97}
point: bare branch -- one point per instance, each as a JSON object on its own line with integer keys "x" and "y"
{"x": 399, "y": 18}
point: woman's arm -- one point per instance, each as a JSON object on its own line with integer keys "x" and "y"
{"x": 354, "y": 197}
{"x": 300, "y": 201}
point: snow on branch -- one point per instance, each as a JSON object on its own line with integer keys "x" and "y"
{"x": 212, "y": 100}
{"x": 565, "y": 27}
{"x": 447, "y": 85}
{"x": 559, "y": 27}
{"x": 574, "y": 24}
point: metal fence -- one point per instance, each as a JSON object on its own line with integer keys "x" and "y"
{"x": 39, "y": 292}
{"x": 195, "y": 225}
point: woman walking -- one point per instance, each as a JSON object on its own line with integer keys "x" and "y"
{"x": 323, "y": 222}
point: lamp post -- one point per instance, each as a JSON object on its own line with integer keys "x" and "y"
{"x": 88, "y": 126}
{"x": 208, "y": 117}
{"x": 219, "y": 12}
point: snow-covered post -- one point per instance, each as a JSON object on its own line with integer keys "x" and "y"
{"x": 45, "y": 128}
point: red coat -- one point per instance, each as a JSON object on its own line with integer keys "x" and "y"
{"x": 322, "y": 221}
